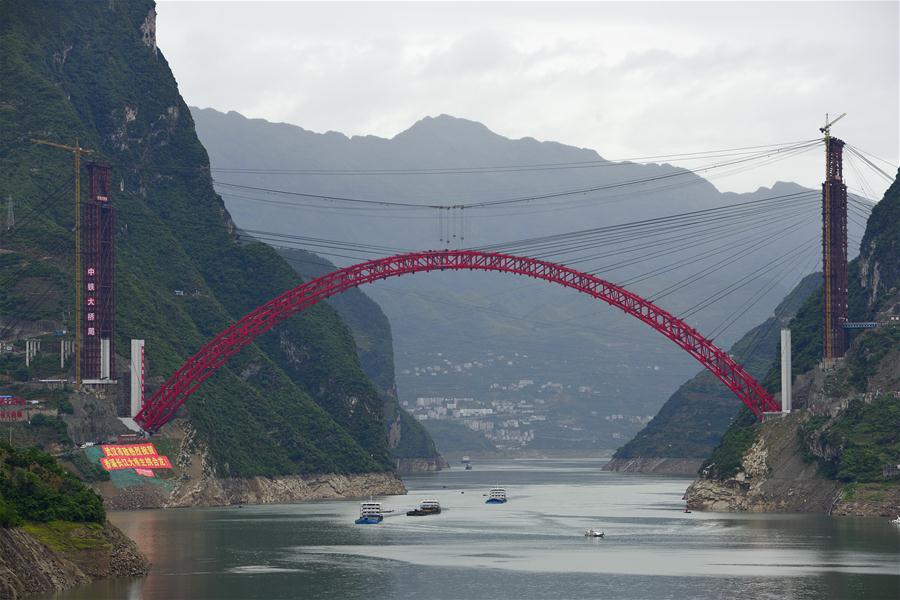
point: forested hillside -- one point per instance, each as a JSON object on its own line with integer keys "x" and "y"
{"x": 297, "y": 401}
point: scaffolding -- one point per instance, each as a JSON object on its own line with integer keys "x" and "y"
{"x": 834, "y": 250}
{"x": 99, "y": 275}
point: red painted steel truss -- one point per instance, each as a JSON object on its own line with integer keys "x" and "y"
{"x": 162, "y": 405}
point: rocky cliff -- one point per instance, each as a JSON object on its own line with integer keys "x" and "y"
{"x": 40, "y": 559}
{"x": 837, "y": 452}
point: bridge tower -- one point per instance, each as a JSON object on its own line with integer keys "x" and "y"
{"x": 834, "y": 246}
{"x": 99, "y": 275}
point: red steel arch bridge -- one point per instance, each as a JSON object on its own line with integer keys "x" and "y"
{"x": 161, "y": 407}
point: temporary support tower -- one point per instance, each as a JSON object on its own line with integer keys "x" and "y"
{"x": 834, "y": 246}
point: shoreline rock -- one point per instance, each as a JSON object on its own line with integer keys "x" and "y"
{"x": 774, "y": 477}
{"x": 414, "y": 466}
{"x": 51, "y": 570}
{"x": 655, "y": 466}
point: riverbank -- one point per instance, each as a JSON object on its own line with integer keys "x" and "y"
{"x": 40, "y": 558}
{"x": 214, "y": 491}
{"x": 777, "y": 474}
{"x": 655, "y": 466}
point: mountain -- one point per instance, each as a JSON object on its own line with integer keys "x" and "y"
{"x": 410, "y": 445}
{"x": 296, "y": 402}
{"x": 691, "y": 422}
{"x": 836, "y": 453}
{"x": 444, "y": 321}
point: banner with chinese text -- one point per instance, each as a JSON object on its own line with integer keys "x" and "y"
{"x": 136, "y": 462}
{"x": 129, "y": 450}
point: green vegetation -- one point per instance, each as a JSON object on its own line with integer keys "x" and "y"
{"x": 297, "y": 401}
{"x": 868, "y": 436}
{"x": 35, "y": 488}
{"x": 65, "y": 536}
{"x": 88, "y": 471}
{"x": 455, "y": 437}
{"x": 725, "y": 461}
{"x": 51, "y": 429}
{"x": 371, "y": 332}
{"x": 870, "y": 350}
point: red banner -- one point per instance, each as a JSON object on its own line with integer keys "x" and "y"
{"x": 144, "y": 472}
{"x": 136, "y": 462}
{"x": 11, "y": 415}
{"x": 129, "y": 450}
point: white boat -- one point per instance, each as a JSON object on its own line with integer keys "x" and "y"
{"x": 496, "y": 496}
{"x": 369, "y": 513}
{"x": 896, "y": 521}
{"x": 593, "y": 533}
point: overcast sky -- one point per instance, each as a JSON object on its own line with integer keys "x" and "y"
{"x": 627, "y": 80}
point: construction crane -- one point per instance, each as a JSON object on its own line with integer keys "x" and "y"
{"x": 76, "y": 151}
{"x": 827, "y": 129}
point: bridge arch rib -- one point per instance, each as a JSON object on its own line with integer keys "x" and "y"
{"x": 167, "y": 399}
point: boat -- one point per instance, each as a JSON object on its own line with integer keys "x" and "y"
{"x": 369, "y": 513}
{"x": 593, "y": 533}
{"x": 896, "y": 521}
{"x": 686, "y": 510}
{"x": 425, "y": 508}
{"x": 468, "y": 466}
{"x": 496, "y": 496}
{"x": 465, "y": 459}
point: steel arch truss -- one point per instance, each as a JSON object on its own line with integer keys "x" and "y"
{"x": 167, "y": 399}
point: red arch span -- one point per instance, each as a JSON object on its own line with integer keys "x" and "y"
{"x": 162, "y": 406}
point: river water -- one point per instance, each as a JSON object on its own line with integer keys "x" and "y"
{"x": 531, "y": 547}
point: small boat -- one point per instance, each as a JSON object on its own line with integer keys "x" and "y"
{"x": 896, "y": 521}
{"x": 468, "y": 466}
{"x": 465, "y": 459}
{"x": 426, "y": 507}
{"x": 686, "y": 510}
{"x": 496, "y": 496}
{"x": 369, "y": 513}
{"x": 593, "y": 533}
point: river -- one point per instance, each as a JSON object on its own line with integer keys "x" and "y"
{"x": 531, "y": 547}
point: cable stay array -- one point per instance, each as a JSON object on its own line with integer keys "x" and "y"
{"x": 672, "y": 252}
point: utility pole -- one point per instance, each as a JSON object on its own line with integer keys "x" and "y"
{"x": 10, "y": 214}
{"x": 834, "y": 246}
{"x": 76, "y": 151}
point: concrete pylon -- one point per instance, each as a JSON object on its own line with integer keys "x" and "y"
{"x": 786, "y": 376}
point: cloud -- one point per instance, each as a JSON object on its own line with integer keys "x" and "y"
{"x": 624, "y": 79}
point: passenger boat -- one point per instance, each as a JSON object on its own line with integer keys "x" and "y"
{"x": 593, "y": 533}
{"x": 496, "y": 496}
{"x": 369, "y": 513}
{"x": 426, "y": 507}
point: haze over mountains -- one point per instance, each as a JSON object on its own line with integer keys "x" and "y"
{"x": 445, "y": 320}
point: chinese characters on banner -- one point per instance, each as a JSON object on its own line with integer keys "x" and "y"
{"x": 90, "y": 302}
{"x": 133, "y": 456}
{"x": 11, "y": 415}
{"x": 136, "y": 462}
{"x": 129, "y": 450}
